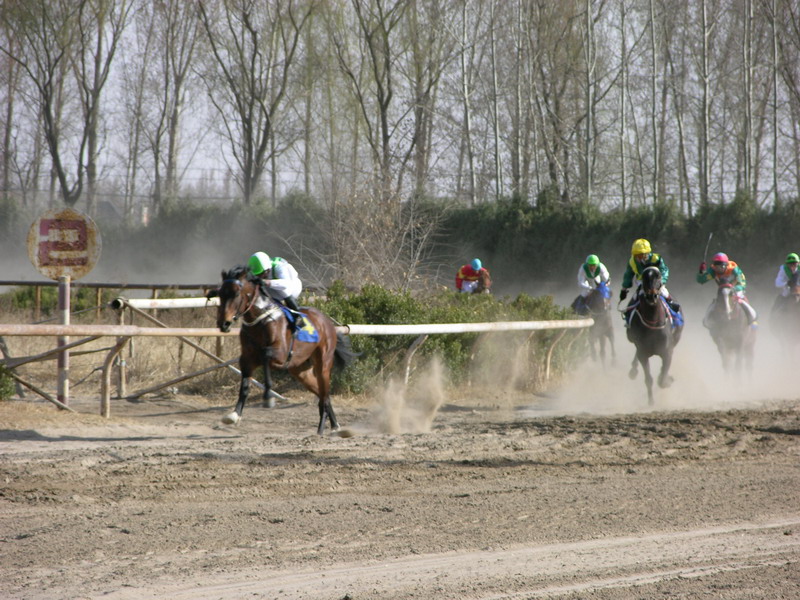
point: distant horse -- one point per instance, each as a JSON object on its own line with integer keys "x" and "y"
{"x": 785, "y": 316}
{"x": 598, "y": 306}
{"x": 730, "y": 329}
{"x": 651, "y": 330}
{"x": 484, "y": 283}
{"x": 267, "y": 340}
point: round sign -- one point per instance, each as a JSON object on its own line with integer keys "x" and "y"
{"x": 63, "y": 243}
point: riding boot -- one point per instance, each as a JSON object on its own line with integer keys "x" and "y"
{"x": 752, "y": 316}
{"x": 299, "y": 320}
{"x": 673, "y": 305}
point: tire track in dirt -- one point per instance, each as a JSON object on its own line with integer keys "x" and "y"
{"x": 549, "y": 570}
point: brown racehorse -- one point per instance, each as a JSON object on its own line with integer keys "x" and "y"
{"x": 267, "y": 341}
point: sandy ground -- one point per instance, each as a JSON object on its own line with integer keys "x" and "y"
{"x": 583, "y": 492}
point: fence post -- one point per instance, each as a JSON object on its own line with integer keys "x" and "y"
{"x": 37, "y": 303}
{"x": 122, "y": 382}
{"x": 63, "y": 357}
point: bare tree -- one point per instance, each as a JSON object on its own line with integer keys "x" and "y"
{"x": 10, "y": 79}
{"x": 378, "y": 23}
{"x": 254, "y": 46}
{"x": 81, "y": 37}
{"x": 429, "y": 56}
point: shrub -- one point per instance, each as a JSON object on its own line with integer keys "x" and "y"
{"x": 82, "y": 298}
{"x": 383, "y": 356}
{"x": 7, "y": 387}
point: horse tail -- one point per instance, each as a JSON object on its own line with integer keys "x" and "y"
{"x": 344, "y": 354}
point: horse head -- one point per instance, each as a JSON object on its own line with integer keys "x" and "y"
{"x": 237, "y": 294}
{"x": 725, "y": 304}
{"x": 484, "y": 283}
{"x": 651, "y": 284}
{"x": 599, "y": 299}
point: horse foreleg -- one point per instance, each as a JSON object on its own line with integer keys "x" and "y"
{"x": 634, "y": 367}
{"x": 269, "y": 401}
{"x": 648, "y": 377}
{"x": 232, "y": 418}
{"x": 664, "y": 378}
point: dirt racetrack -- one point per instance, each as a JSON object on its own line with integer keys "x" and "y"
{"x": 585, "y": 493}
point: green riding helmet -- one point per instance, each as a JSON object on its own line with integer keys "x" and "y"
{"x": 792, "y": 258}
{"x": 259, "y": 263}
{"x": 592, "y": 260}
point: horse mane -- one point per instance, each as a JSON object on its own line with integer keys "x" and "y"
{"x": 238, "y": 272}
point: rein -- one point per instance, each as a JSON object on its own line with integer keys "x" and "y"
{"x": 239, "y": 314}
{"x": 651, "y": 324}
{"x": 270, "y": 314}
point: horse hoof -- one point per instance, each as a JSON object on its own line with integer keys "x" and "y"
{"x": 269, "y": 402}
{"x": 231, "y": 418}
{"x": 665, "y": 382}
{"x": 632, "y": 373}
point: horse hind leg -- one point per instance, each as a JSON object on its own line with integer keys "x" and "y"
{"x": 326, "y": 408}
{"x": 314, "y": 380}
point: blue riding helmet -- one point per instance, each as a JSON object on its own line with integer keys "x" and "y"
{"x": 476, "y": 264}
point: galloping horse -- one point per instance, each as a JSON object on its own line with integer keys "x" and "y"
{"x": 730, "y": 329}
{"x": 598, "y": 304}
{"x": 267, "y": 340}
{"x": 785, "y": 316}
{"x": 651, "y": 330}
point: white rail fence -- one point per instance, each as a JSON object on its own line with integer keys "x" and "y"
{"x": 124, "y": 333}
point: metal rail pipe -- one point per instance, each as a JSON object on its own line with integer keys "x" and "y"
{"x": 114, "y": 330}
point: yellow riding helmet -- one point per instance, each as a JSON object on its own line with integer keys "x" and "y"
{"x": 259, "y": 263}
{"x": 641, "y": 246}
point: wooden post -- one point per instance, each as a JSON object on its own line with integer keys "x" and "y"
{"x": 37, "y": 303}
{"x": 63, "y": 357}
{"x": 122, "y": 380}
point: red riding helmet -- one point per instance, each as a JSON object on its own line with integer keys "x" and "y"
{"x": 720, "y": 258}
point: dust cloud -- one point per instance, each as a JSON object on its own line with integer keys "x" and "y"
{"x": 699, "y": 380}
{"x": 412, "y": 408}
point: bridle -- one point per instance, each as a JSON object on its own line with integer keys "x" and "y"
{"x": 726, "y": 289}
{"x": 650, "y": 295}
{"x": 240, "y": 295}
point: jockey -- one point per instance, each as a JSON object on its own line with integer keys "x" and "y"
{"x": 724, "y": 270}
{"x": 279, "y": 280}
{"x": 469, "y": 276}
{"x": 642, "y": 257}
{"x": 785, "y": 274}
{"x": 590, "y": 274}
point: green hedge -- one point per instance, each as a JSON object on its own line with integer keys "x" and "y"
{"x": 24, "y": 298}
{"x": 383, "y": 356}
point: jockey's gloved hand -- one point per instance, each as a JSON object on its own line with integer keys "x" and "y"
{"x": 623, "y": 293}
{"x": 703, "y": 267}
